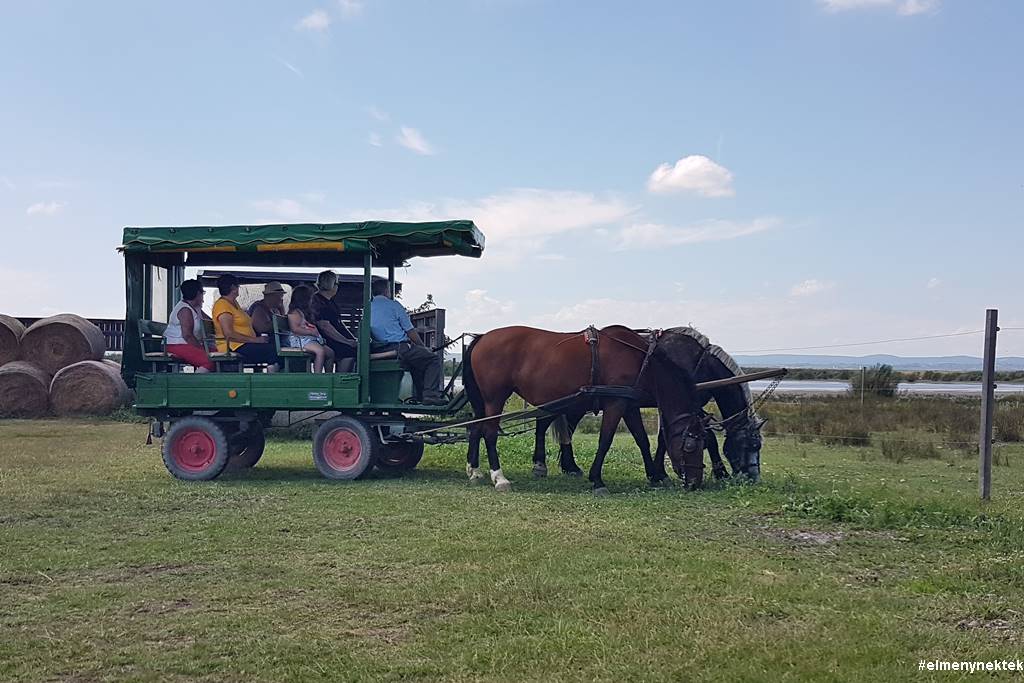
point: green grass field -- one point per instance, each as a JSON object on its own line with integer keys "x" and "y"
{"x": 842, "y": 565}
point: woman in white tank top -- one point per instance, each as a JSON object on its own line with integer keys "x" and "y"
{"x": 184, "y": 337}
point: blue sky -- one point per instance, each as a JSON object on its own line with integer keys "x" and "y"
{"x": 779, "y": 174}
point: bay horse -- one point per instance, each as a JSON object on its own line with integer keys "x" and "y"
{"x": 542, "y": 366}
{"x": 687, "y": 348}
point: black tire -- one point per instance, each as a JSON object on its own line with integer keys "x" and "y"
{"x": 399, "y": 457}
{"x": 195, "y": 449}
{"x": 247, "y": 447}
{"x": 345, "y": 448}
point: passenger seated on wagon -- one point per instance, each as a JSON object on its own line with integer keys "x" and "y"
{"x": 263, "y": 311}
{"x": 233, "y": 328}
{"x": 391, "y": 328}
{"x": 185, "y": 337}
{"x": 304, "y": 334}
{"x": 327, "y": 317}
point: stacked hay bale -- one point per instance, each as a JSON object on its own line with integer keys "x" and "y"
{"x": 11, "y": 331}
{"x": 58, "y": 341}
{"x": 24, "y": 390}
{"x": 88, "y": 387}
{"x": 63, "y": 354}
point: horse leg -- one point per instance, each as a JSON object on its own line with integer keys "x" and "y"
{"x": 490, "y": 430}
{"x": 565, "y": 426}
{"x": 717, "y": 466}
{"x": 659, "y": 455}
{"x": 540, "y": 467}
{"x": 473, "y": 456}
{"x": 635, "y": 423}
{"x": 613, "y": 412}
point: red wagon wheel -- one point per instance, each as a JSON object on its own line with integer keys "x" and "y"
{"x": 195, "y": 449}
{"x": 344, "y": 448}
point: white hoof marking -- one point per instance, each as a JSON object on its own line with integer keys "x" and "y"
{"x": 501, "y": 483}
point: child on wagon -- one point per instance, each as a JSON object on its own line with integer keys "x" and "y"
{"x": 304, "y": 335}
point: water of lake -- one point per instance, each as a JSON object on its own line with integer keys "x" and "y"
{"x": 800, "y": 386}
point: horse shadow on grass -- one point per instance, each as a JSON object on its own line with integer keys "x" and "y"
{"x": 269, "y": 475}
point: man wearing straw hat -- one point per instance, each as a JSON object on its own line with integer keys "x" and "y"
{"x": 263, "y": 311}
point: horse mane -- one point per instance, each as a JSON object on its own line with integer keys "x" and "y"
{"x": 717, "y": 352}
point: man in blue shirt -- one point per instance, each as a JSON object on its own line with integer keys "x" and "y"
{"x": 391, "y": 329}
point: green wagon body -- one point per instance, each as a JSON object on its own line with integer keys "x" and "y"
{"x": 239, "y": 401}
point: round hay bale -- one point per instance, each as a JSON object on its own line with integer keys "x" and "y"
{"x": 11, "y": 331}
{"x": 60, "y": 340}
{"x": 24, "y": 390}
{"x": 89, "y": 387}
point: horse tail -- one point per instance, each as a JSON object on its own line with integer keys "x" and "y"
{"x": 561, "y": 429}
{"x": 469, "y": 385}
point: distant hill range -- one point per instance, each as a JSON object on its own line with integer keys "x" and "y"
{"x": 939, "y": 363}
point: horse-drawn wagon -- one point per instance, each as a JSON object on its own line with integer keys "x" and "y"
{"x": 210, "y": 421}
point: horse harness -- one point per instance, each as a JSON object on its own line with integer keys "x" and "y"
{"x": 693, "y": 430}
{"x": 592, "y": 336}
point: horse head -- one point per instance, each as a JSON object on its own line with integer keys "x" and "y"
{"x": 743, "y": 445}
{"x": 681, "y": 416}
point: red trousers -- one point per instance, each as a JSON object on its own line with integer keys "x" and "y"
{"x": 193, "y": 355}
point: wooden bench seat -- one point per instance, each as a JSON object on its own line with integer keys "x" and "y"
{"x": 154, "y": 348}
{"x": 294, "y": 360}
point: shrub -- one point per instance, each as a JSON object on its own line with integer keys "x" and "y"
{"x": 878, "y": 380}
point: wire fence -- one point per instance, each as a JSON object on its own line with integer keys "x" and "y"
{"x": 900, "y": 427}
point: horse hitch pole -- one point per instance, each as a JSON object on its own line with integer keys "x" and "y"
{"x": 741, "y": 379}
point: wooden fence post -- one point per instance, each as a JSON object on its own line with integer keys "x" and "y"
{"x": 988, "y": 405}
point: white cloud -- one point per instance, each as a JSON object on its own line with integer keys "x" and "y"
{"x": 410, "y": 138}
{"x": 810, "y": 287}
{"x": 656, "y": 235}
{"x": 8, "y": 183}
{"x": 375, "y": 140}
{"x": 291, "y": 67}
{"x": 517, "y": 222}
{"x": 318, "y": 20}
{"x": 904, "y": 7}
{"x": 694, "y": 173}
{"x": 377, "y": 114}
{"x": 44, "y": 208}
{"x": 350, "y": 8}
{"x": 480, "y": 312}
{"x": 933, "y": 283}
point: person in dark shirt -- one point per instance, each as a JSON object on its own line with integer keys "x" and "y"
{"x": 327, "y": 318}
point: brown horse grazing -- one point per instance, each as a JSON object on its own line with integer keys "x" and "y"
{"x": 543, "y": 366}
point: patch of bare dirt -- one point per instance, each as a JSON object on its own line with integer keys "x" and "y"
{"x": 806, "y": 537}
{"x": 997, "y": 627}
{"x": 162, "y": 607}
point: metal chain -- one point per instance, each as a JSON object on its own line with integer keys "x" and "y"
{"x": 766, "y": 393}
{"x": 720, "y": 425}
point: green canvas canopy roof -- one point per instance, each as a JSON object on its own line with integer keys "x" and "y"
{"x": 393, "y": 242}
